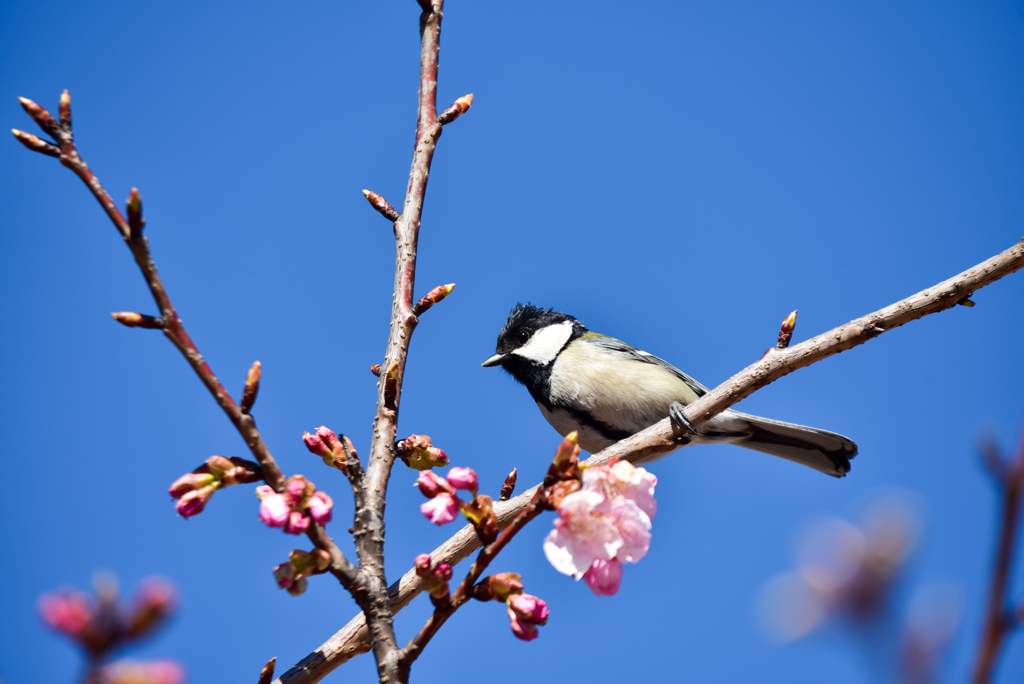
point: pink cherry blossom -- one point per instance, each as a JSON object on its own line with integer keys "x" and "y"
{"x": 604, "y": 577}
{"x": 464, "y": 478}
{"x": 319, "y": 507}
{"x": 442, "y": 509}
{"x": 621, "y": 478}
{"x": 634, "y": 528}
{"x": 582, "y": 534}
{"x": 298, "y": 522}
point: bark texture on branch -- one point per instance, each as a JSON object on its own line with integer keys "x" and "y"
{"x": 352, "y": 639}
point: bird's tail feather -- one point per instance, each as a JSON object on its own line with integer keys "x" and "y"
{"x": 822, "y": 450}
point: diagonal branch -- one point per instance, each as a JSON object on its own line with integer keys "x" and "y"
{"x": 660, "y": 438}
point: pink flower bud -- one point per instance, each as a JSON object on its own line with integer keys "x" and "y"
{"x": 274, "y": 510}
{"x": 297, "y": 523}
{"x": 442, "y": 509}
{"x": 284, "y": 575}
{"x": 298, "y": 588}
{"x": 443, "y": 570}
{"x": 296, "y": 490}
{"x": 315, "y": 444}
{"x": 189, "y": 482}
{"x": 464, "y": 478}
{"x": 67, "y": 613}
{"x": 436, "y": 457}
{"x": 330, "y": 439}
{"x": 527, "y": 631}
{"x": 422, "y": 564}
{"x": 604, "y": 577}
{"x": 319, "y": 507}
{"x": 193, "y": 503}
{"x": 432, "y": 484}
{"x": 528, "y": 608}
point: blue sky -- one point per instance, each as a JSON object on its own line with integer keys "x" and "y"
{"x": 677, "y": 175}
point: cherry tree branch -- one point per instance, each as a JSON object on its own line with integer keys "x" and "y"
{"x": 661, "y": 437}
{"x": 464, "y": 592}
{"x": 1000, "y": 618}
{"x": 130, "y": 229}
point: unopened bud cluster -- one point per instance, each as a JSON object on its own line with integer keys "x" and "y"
{"x": 300, "y": 565}
{"x": 326, "y": 444}
{"x": 435, "y": 578}
{"x": 294, "y": 509}
{"x": 444, "y": 504}
{"x": 194, "y": 490}
{"x": 525, "y": 611}
{"x": 98, "y": 624}
{"x": 418, "y": 453}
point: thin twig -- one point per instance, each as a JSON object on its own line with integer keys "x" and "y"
{"x": 659, "y": 438}
{"x": 440, "y": 615}
{"x": 1000, "y": 618}
{"x": 169, "y": 323}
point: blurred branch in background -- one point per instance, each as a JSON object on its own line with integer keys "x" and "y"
{"x": 101, "y": 627}
{"x": 848, "y": 576}
{"x": 1001, "y": 617}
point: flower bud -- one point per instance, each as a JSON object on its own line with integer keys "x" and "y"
{"x": 498, "y": 587}
{"x": 442, "y": 509}
{"x": 529, "y": 608}
{"x": 464, "y": 478}
{"x": 298, "y": 588}
{"x": 435, "y": 577}
{"x": 274, "y": 510}
{"x": 252, "y": 387}
{"x": 478, "y": 509}
{"x": 567, "y": 455}
{"x": 527, "y": 631}
{"x": 509, "y": 487}
{"x": 154, "y": 603}
{"x": 297, "y": 489}
{"x": 786, "y": 331}
{"x": 193, "y": 502}
{"x": 315, "y": 444}
{"x": 298, "y": 523}
{"x": 135, "y": 221}
{"x": 432, "y": 484}
{"x": 417, "y": 452}
{"x": 319, "y": 507}
{"x": 284, "y": 575}
{"x": 190, "y": 482}
{"x": 604, "y": 577}
{"x": 68, "y": 613}
{"x": 330, "y": 439}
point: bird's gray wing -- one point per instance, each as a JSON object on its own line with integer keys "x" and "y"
{"x": 618, "y": 346}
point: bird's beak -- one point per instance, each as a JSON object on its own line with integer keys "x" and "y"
{"x": 493, "y": 361}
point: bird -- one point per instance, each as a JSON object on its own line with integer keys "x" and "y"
{"x": 606, "y": 390}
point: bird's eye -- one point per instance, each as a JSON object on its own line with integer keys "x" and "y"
{"x": 524, "y": 335}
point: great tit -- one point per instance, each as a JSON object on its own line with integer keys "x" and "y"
{"x": 607, "y": 390}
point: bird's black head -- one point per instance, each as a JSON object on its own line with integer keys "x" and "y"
{"x": 531, "y": 339}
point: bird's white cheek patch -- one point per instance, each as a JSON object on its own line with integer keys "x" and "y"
{"x": 544, "y": 346}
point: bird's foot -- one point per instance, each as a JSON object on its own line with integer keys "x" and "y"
{"x": 679, "y": 420}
